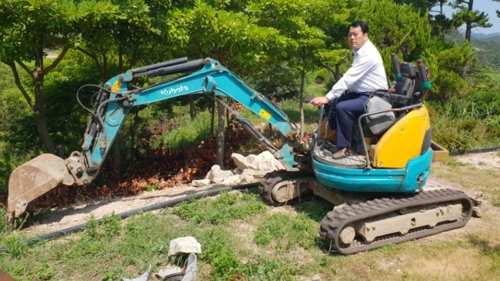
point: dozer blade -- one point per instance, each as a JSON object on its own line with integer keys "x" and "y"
{"x": 33, "y": 179}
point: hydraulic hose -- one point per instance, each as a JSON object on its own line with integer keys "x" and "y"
{"x": 161, "y": 205}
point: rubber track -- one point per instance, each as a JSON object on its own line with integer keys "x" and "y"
{"x": 337, "y": 219}
{"x": 271, "y": 179}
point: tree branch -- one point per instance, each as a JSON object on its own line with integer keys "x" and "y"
{"x": 93, "y": 56}
{"x": 57, "y": 61}
{"x": 23, "y": 66}
{"x": 17, "y": 80}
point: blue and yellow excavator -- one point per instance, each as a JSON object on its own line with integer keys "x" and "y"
{"x": 379, "y": 194}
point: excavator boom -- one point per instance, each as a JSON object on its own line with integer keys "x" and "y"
{"x": 113, "y": 103}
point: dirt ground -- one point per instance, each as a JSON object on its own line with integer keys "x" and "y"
{"x": 76, "y": 214}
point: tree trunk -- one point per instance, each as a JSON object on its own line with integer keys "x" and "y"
{"x": 192, "y": 109}
{"x": 39, "y": 106}
{"x": 132, "y": 132}
{"x": 301, "y": 106}
{"x": 212, "y": 121}
{"x": 219, "y": 160}
{"x": 120, "y": 58}
{"x": 117, "y": 153}
{"x": 468, "y": 24}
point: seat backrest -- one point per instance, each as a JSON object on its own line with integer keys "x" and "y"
{"x": 405, "y": 86}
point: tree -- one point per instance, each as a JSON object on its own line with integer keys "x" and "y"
{"x": 396, "y": 29}
{"x": 468, "y": 16}
{"x": 120, "y": 32}
{"x": 224, "y": 32}
{"x": 422, "y": 6}
{"x": 303, "y": 23}
{"x": 498, "y": 12}
{"x": 440, "y": 23}
{"x": 28, "y": 29}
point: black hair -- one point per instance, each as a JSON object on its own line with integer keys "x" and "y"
{"x": 362, "y": 24}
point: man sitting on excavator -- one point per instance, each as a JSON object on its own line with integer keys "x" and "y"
{"x": 365, "y": 75}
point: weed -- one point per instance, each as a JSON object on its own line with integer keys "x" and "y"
{"x": 225, "y": 265}
{"x": 111, "y": 275}
{"x": 315, "y": 209}
{"x": 151, "y": 187}
{"x": 91, "y": 229}
{"x": 303, "y": 231}
{"x": 112, "y": 225}
{"x": 17, "y": 246}
{"x": 453, "y": 162}
{"x": 275, "y": 227}
{"x": 269, "y": 269}
{"x": 225, "y": 207}
{"x": 44, "y": 272}
{"x": 3, "y": 224}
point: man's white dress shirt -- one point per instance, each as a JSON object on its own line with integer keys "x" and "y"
{"x": 366, "y": 74}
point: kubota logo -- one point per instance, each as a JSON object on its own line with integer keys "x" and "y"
{"x": 174, "y": 90}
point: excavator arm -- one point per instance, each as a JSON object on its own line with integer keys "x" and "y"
{"x": 112, "y": 104}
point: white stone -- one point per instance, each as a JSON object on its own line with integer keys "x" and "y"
{"x": 253, "y": 173}
{"x": 247, "y": 179}
{"x": 316, "y": 277}
{"x": 232, "y": 180}
{"x": 267, "y": 162}
{"x": 216, "y": 175}
{"x": 243, "y": 162}
{"x": 200, "y": 183}
{"x": 184, "y": 245}
{"x": 264, "y": 162}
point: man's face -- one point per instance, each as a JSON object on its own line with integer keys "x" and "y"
{"x": 356, "y": 37}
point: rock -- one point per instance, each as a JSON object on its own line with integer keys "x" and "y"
{"x": 253, "y": 173}
{"x": 316, "y": 277}
{"x": 242, "y": 162}
{"x": 264, "y": 162}
{"x": 200, "y": 183}
{"x": 232, "y": 180}
{"x": 184, "y": 245}
{"x": 267, "y": 162}
{"x": 216, "y": 175}
{"x": 247, "y": 179}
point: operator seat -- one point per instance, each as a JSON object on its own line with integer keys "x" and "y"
{"x": 406, "y": 87}
{"x": 405, "y": 92}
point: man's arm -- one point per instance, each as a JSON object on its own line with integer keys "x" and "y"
{"x": 360, "y": 68}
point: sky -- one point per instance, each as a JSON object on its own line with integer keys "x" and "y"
{"x": 487, "y": 6}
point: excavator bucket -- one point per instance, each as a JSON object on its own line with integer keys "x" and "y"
{"x": 33, "y": 179}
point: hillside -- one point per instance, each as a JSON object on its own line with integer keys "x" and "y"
{"x": 488, "y": 51}
{"x": 486, "y": 47}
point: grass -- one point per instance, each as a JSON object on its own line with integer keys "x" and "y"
{"x": 244, "y": 239}
{"x": 470, "y": 177}
{"x": 186, "y": 131}
{"x": 9, "y": 160}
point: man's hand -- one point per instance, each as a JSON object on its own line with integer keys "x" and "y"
{"x": 319, "y": 101}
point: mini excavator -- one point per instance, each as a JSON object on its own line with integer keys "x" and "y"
{"x": 379, "y": 193}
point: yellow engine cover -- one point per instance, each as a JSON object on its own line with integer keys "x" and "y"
{"x": 403, "y": 141}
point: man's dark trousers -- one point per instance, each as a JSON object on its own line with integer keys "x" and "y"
{"x": 348, "y": 107}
